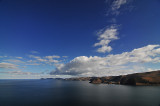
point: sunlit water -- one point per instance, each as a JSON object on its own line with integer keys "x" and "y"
{"x": 75, "y": 93}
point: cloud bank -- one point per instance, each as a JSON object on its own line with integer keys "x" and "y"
{"x": 124, "y": 63}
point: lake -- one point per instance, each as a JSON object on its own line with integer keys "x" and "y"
{"x": 75, "y": 93}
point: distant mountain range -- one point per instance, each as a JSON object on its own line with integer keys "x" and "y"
{"x": 147, "y": 78}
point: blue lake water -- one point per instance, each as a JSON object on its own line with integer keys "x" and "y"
{"x": 75, "y": 93}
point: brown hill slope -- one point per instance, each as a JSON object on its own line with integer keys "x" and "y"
{"x": 147, "y": 78}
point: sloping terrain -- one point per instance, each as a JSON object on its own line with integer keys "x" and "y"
{"x": 147, "y": 78}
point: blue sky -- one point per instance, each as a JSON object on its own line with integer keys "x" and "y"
{"x": 59, "y": 38}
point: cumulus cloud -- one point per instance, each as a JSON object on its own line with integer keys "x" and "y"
{"x": 8, "y": 66}
{"x": 124, "y": 63}
{"x": 105, "y": 37}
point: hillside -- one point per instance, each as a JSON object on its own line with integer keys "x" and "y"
{"x": 147, "y": 78}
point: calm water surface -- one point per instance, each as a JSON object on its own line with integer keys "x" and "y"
{"x": 75, "y": 93}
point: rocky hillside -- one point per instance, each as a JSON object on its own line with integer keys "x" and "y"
{"x": 78, "y": 79}
{"x": 148, "y": 78}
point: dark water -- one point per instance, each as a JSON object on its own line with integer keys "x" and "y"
{"x": 75, "y": 93}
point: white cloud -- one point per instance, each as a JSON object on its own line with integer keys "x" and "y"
{"x": 53, "y": 61}
{"x": 41, "y": 60}
{"x": 116, "y": 5}
{"x": 64, "y": 56}
{"x": 47, "y": 59}
{"x": 125, "y": 63}
{"x": 19, "y": 73}
{"x": 14, "y": 61}
{"x": 34, "y": 52}
{"x": 33, "y": 56}
{"x": 110, "y": 34}
{"x": 8, "y": 66}
{"x": 105, "y": 37}
{"x": 30, "y": 61}
{"x": 35, "y": 64}
{"x": 3, "y": 56}
{"x": 51, "y": 57}
{"x": 19, "y": 57}
{"x": 38, "y": 58}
